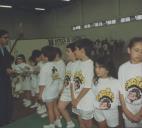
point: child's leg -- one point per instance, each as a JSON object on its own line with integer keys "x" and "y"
{"x": 88, "y": 123}
{"x": 51, "y": 115}
{"x": 121, "y": 121}
{"x": 62, "y": 108}
{"x": 57, "y": 113}
{"x": 102, "y": 124}
{"x": 81, "y": 124}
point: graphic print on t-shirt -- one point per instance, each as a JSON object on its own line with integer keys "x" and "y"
{"x": 67, "y": 79}
{"x": 55, "y": 73}
{"x": 78, "y": 80}
{"x": 105, "y": 98}
{"x": 133, "y": 87}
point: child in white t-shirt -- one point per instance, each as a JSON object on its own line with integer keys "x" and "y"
{"x": 36, "y": 62}
{"x": 82, "y": 94}
{"x": 48, "y": 90}
{"x": 106, "y": 91}
{"x": 130, "y": 76}
{"x": 58, "y": 77}
{"x": 65, "y": 97}
{"x": 24, "y": 84}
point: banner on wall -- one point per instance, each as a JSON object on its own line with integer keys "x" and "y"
{"x": 61, "y": 41}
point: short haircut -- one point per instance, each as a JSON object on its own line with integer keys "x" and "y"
{"x": 86, "y": 44}
{"x": 49, "y": 52}
{"x": 3, "y": 32}
{"x": 71, "y": 46}
{"x": 21, "y": 57}
{"x": 133, "y": 41}
{"x": 58, "y": 51}
{"x": 35, "y": 53}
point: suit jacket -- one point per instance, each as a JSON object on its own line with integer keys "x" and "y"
{"x": 5, "y": 62}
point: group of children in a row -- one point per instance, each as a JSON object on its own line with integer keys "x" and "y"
{"x": 90, "y": 86}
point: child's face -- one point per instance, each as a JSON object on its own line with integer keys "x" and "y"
{"x": 19, "y": 61}
{"x": 70, "y": 54}
{"x": 38, "y": 59}
{"x": 78, "y": 53}
{"x": 136, "y": 53}
{"x": 44, "y": 58}
{"x": 101, "y": 71}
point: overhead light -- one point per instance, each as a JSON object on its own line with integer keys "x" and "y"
{"x": 40, "y": 9}
{"x": 66, "y": 0}
{"x": 5, "y": 6}
{"x": 138, "y": 17}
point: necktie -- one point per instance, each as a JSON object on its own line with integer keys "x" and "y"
{"x": 2, "y": 51}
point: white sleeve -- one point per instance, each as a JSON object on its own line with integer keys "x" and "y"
{"x": 45, "y": 76}
{"x": 121, "y": 80}
{"x": 88, "y": 74}
{"x": 62, "y": 71}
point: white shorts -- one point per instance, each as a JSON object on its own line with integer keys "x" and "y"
{"x": 86, "y": 115}
{"x": 129, "y": 124}
{"x": 66, "y": 95}
{"x": 111, "y": 116}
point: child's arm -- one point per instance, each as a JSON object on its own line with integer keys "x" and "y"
{"x": 41, "y": 88}
{"x": 140, "y": 114}
{"x": 128, "y": 114}
{"x": 79, "y": 97}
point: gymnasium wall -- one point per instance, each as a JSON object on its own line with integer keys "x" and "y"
{"x": 58, "y": 23}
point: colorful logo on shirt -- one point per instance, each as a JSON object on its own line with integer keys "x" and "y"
{"x": 67, "y": 79}
{"x": 134, "y": 90}
{"x": 78, "y": 80}
{"x": 105, "y": 97}
{"x": 55, "y": 73}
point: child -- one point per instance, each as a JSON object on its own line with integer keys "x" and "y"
{"x": 48, "y": 90}
{"x": 36, "y": 60}
{"x": 106, "y": 91}
{"x": 24, "y": 83}
{"x": 82, "y": 94}
{"x": 130, "y": 76}
{"x": 58, "y": 76}
{"x": 65, "y": 98}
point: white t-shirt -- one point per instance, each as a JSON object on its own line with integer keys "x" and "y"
{"x": 60, "y": 67}
{"x": 46, "y": 79}
{"x": 70, "y": 69}
{"x": 130, "y": 76}
{"x": 83, "y": 78}
{"x": 35, "y": 77}
{"x": 106, "y": 93}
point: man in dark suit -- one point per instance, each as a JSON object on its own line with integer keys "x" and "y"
{"x": 5, "y": 82}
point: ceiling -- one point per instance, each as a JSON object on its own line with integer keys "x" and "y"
{"x": 29, "y": 4}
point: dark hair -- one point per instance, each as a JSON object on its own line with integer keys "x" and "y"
{"x": 35, "y": 53}
{"x": 58, "y": 51}
{"x": 22, "y": 57}
{"x": 134, "y": 40}
{"x": 71, "y": 46}
{"x": 107, "y": 62}
{"x": 49, "y": 52}
{"x": 86, "y": 44}
{"x": 3, "y": 32}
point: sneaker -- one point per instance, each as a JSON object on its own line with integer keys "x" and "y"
{"x": 35, "y": 105}
{"x": 49, "y": 126}
{"x": 44, "y": 115}
{"x": 27, "y": 103}
{"x": 42, "y": 110}
{"x": 70, "y": 124}
{"x": 58, "y": 123}
{"x": 39, "y": 107}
